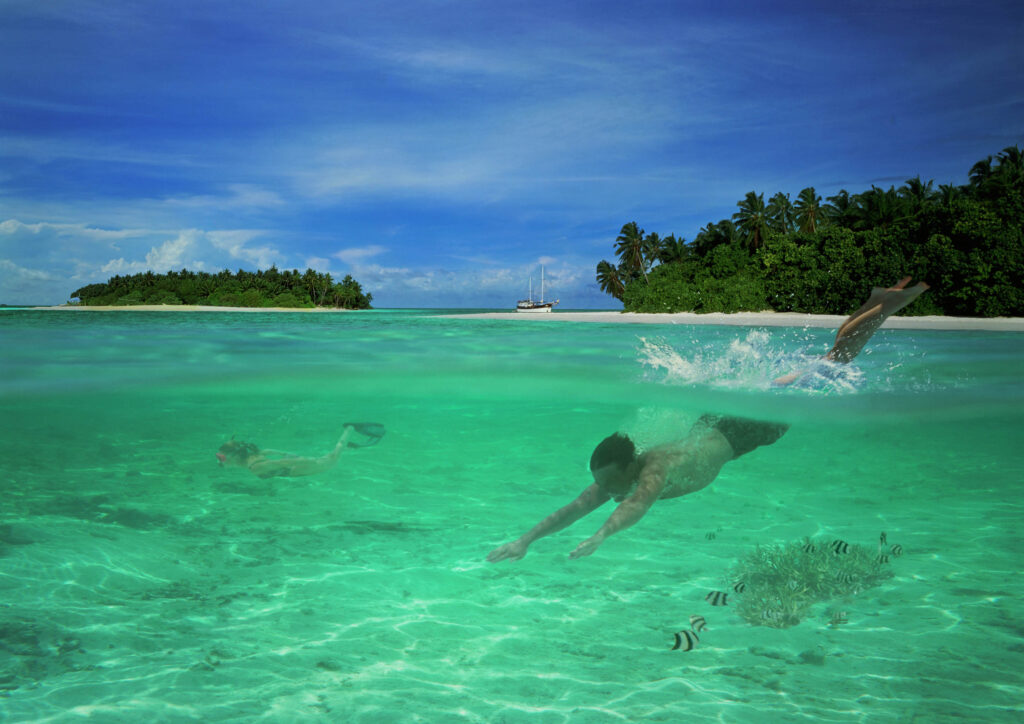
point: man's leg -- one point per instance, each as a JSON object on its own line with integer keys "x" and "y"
{"x": 859, "y": 327}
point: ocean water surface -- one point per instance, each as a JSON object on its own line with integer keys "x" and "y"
{"x": 141, "y": 581}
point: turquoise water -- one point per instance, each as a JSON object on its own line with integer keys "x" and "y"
{"x": 140, "y": 581}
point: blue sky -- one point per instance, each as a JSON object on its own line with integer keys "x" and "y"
{"x": 441, "y": 151}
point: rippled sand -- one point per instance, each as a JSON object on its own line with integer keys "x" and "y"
{"x": 140, "y": 582}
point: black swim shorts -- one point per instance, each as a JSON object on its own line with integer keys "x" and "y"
{"x": 743, "y": 433}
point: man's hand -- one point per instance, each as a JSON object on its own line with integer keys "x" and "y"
{"x": 588, "y": 546}
{"x": 512, "y": 551}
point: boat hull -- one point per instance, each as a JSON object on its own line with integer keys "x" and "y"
{"x": 536, "y": 309}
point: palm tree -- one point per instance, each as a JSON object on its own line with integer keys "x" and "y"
{"x": 632, "y": 248}
{"x": 840, "y": 209}
{"x": 610, "y": 280}
{"x": 752, "y": 220}
{"x": 1010, "y": 169}
{"x": 948, "y": 193}
{"x": 712, "y": 235}
{"x": 780, "y": 213}
{"x": 1006, "y": 176}
{"x": 652, "y": 243}
{"x": 876, "y": 208}
{"x": 980, "y": 172}
{"x": 672, "y": 250}
{"x": 915, "y": 195}
{"x": 809, "y": 212}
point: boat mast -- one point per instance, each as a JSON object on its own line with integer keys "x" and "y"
{"x": 542, "y": 285}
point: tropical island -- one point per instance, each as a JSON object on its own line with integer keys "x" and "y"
{"x": 259, "y": 289}
{"x": 812, "y": 257}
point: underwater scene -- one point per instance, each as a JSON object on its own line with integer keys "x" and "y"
{"x": 234, "y": 517}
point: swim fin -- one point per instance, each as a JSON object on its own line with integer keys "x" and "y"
{"x": 373, "y": 431}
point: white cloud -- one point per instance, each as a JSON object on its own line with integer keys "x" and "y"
{"x": 9, "y": 267}
{"x": 14, "y": 226}
{"x": 24, "y": 285}
{"x": 568, "y": 279}
{"x": 235, "y": 243}
{"x": 75, "y": 254}
{"x": 355, "y": 255}
{"x": 318, "y": 263}
{"x": 171, "y": 255}
{"x": 237, "y": 196}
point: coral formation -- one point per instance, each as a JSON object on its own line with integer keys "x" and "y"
{"x": 780, "y": 584}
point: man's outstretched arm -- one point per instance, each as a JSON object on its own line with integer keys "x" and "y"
{"x": 632, "y": 509}
{"x": 590, "y": 499}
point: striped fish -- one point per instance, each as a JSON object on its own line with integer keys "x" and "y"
{"x": 881, "y": 538}
{"x": 845, "y": 577}
{"x": 697, "y": 623}
{"x": 839, "y": 618}
{"x": 839, "y": 547}
{"x": 882, "y": 558}
{"x": 686, "y": 640}
{"x": 710, "y": 535}
{"x": 717, "y": 598}
{"x": 808, "y": 547}
{"x": 739, "y": 587}
{"x": 896, "y": 550}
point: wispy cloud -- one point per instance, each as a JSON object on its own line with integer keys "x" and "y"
{"x": 75, "y": 253}
{"x": 357, "y": 255}
{"x": 236, "y": 196}
{"x": 9, "y": 267}
{"x": 449, "y": 150}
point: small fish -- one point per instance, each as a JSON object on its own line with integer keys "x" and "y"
{"x": 896, "y": 550}
{"x": 739, "y": 587}
{"x": 808, "y": 547}
{"x": 845, "y": 577}
{"x": 882, "y": 558}
{"x": 839, "y": 547}
{"x": 686, "y": 640}
{"x": 717, "y": 598}
{"x": 710, "y": 535}
{"x": 881, "y": 538}
{"x": 697, "y": 623}
{"x": 839, "y": 618}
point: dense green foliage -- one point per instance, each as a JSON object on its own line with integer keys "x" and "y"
{"x": 966, "y": 241}
{"x": 270, "y": 288}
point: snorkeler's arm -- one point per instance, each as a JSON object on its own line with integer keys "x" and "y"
{"x": 651, "y": 483}
{"x": 860, "y": 326}
{"x": 590, "y": 499}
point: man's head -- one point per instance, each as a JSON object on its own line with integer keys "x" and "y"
{"x": 611, "y": 464}
{"x": 236, "y": 452}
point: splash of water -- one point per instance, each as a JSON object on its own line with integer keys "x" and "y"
{"x": 751, "y": 363}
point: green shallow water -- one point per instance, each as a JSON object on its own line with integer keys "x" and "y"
{"x": 140, "y": 581}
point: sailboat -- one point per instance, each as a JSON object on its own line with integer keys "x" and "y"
{"x": 529, "y": 305}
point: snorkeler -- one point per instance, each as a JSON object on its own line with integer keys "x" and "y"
{"x": 236, "y": 453}
{"x": 635, "y": 480}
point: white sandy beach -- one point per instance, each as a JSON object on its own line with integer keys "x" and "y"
{"x": 739, "y": 319}
{"x": 764, "y": 319}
